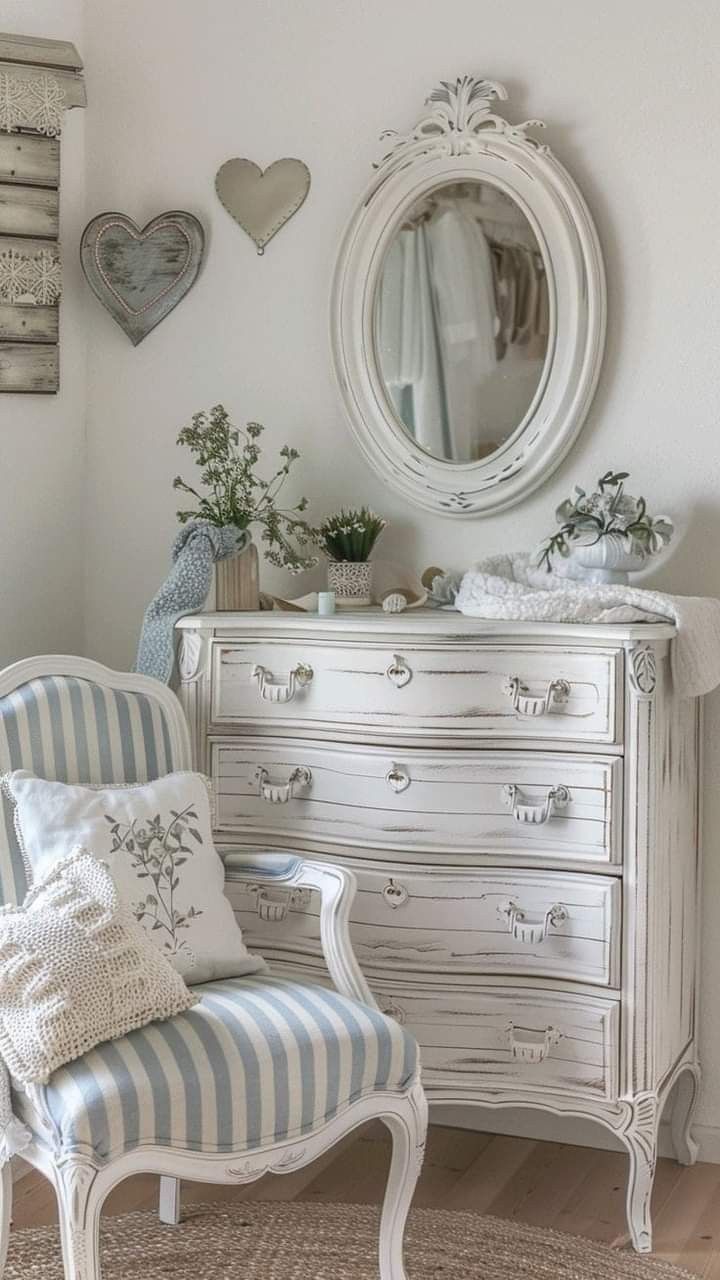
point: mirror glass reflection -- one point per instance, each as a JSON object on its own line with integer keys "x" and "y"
{"x": 462, "y": 320}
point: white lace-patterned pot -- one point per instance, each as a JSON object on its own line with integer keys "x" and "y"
{"x": 351, "y": 580}
{"x": 608, "y": 560}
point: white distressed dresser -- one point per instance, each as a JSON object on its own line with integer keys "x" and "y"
{"x": 519, "y": 803}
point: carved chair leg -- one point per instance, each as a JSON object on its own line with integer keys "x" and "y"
{"x": 170, "y": 1201}
{"x": 408, "y": 1135}
{"x": 79, "y": 1221}
{"x": 640, "y": 1138}
{"x": 686, "y": 1096}
{"x": 6, "y": 1187}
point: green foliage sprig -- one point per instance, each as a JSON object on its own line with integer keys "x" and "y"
{"x": 350, "y": 535}
{"x": 586, "y": 518}
{"x": 236, "y": 495}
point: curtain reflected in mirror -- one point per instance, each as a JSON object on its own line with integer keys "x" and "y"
{"x": 462, "y": 320}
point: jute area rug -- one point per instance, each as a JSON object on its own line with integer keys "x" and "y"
{"x": 301, "y": 1241}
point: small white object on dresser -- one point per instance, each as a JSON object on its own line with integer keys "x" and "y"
{"x": 519, "y": 802}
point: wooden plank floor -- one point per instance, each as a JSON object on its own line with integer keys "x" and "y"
{"x": 573, "y": 1189}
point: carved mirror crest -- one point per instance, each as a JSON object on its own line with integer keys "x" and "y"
{"x": 468, "y": 312}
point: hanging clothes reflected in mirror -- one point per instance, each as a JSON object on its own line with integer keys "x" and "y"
{"x": 462, "y": 320}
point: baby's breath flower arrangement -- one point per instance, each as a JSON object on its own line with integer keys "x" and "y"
{"x": 350, "y": 535}
{"x": 236, "y": 495}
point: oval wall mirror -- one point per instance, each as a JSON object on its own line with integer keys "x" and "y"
{"x": 468, "y": 313}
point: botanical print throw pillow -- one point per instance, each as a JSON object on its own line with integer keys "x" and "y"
{"x": 76, "y": 970}
{"x": 157, "y": 840}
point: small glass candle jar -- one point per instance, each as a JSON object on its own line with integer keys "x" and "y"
{"x": 326, "y": 603}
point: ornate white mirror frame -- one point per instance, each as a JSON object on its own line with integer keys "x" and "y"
{"x": 461, "y": 139}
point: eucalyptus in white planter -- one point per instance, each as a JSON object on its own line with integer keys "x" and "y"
{"x": 606, "y": 534}
{"x": 347, "y": 539}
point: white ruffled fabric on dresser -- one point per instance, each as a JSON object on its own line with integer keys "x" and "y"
{"x": 519, "y": 802}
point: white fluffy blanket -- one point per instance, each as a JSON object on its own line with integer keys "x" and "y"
{"x": 509, "y": 588}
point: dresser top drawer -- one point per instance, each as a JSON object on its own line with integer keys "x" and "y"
{"x": 418, "y": 690}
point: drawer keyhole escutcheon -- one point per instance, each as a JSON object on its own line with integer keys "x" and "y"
{"x": 534, "y": 1049}
{"x": 397, "y": 778}
{"x": 272, "y": 690}
{"x": 527, "y": 705}
{"x": 526, "y": 929}
{"x": 399, "y": 672}
{"x": 534, "y": 814}
{"x": 281, "y": 792}
{"x": 396, "y": 895}
{"x": 392, "y": 1009}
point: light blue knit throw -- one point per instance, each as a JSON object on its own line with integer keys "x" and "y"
{"x": 196, "y": 548}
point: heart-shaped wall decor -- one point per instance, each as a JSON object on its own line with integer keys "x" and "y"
{"x": 141, "y": 273}
{"x": 262, "y": 201}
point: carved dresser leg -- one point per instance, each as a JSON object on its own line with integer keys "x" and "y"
{"x": 640, "y": 1138}
{"x": 686, "y": 1096}
{"x": 6, "y": 1185}
{"x": 79, "y": 1220}
{"x": 408, "y": 1134}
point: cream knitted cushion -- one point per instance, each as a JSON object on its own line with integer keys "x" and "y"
{"x": 75, "y": 970}
{"x": 156, "y": 837}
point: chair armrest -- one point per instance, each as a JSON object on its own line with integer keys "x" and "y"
{"x": 336, "y": 887}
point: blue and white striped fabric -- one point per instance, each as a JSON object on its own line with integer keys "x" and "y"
{"x": 261, "y": 1059}
{"x": 72, "y": 730}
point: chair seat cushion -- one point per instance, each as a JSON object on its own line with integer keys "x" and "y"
{"x": 259, "y": 1059}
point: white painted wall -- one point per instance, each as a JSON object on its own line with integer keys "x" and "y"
{"x": 631, "y": 93}
{"x": 42, "y": 438}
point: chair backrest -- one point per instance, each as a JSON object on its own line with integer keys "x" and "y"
{"x": 72, "y": 720}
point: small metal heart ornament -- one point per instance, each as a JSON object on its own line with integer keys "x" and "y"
{"x": 261, "y": 202}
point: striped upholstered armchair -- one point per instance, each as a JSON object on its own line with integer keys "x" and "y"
{"x": 263, "y": 1075}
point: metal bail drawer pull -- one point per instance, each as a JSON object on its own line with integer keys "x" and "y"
{"x": 272, "y": 691}
{"x": 273, "y": 906}
{"x": 535, "y": 1050}
{"x": 281, "y": 792}
{"x": 526, "y": 705}
{"x": 535, "y": 814}
{"x": 524, "y": 929}
{"x": 399, "y": 672}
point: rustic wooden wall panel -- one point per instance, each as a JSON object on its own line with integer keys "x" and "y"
{"x": 28, "y": 158}
{"x": 29, "y": 211}
{"x": 49, "y": 76}
{"x": 28, "y": 324}
{"x": 29, "y": 366}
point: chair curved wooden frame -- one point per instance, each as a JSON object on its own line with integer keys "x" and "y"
{"x": 82, "y": 1185}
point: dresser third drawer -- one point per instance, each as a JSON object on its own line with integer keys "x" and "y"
{"x": 537, "y": 924}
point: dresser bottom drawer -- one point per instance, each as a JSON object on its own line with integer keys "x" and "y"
{"x": 505, "y": 1038}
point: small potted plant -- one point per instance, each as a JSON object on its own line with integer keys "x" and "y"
{"x": 607, "y": 533}
{"x": 347, "y": 539}
{"x": 237, "y": 498}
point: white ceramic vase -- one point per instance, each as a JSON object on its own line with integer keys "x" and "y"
{"x": 608, "y": 560}
{"x": 351, "y": 580}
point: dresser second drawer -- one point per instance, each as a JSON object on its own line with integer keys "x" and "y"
{"x": 557, "y": 808}
{"x": 538, "y": 924}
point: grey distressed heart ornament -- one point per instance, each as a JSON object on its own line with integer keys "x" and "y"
{"x": 140, "y": 273}
{"x": 262, "y": 201}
